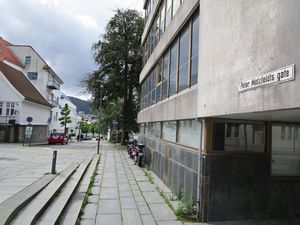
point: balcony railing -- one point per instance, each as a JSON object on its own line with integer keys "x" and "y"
{"x": 9, "y": 119}
{"x": 53, "y": 84}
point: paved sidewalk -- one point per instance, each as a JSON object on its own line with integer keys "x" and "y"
{"x": 122, "y": 194}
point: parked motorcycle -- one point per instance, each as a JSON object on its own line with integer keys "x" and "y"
{"x": 139, "y": 155}
{"x": 131, "y": 147}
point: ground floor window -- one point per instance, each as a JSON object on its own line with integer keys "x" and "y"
{"x": 238, "y": 136}
{"x": 285, "y": 150}
{"x": 169, "y": 130}
{"x": 189, "y": 133}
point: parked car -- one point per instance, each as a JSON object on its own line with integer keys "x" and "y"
{"x": 57, "y": 137}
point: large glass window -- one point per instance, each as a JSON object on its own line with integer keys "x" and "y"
{"x": 176, "y": 4}
{"x": 189, "y": 133}
{"x": 162, "y": 18}
{"x": 149, "y": 129}
{"x": 238, "y": 136}
{"x": 157, "y": 129}
{"x": 153, "y": 85}
{"x": 156, "y": 30}
{"x": 183, "y": 59}
{"x": 285, "y": 150}
{"x": 165, "y": 75}
{"x": 168, "y": 12}
{"x": 169, "y": 131}
{"x": 195, "y": 50}
{"x": 173, "y": 68}
{"x": 142, "y": 128}
{"x": 159, "y": 74}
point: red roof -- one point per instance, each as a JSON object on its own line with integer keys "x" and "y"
{"x": 7, "y": 54}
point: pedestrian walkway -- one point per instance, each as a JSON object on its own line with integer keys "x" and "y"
{"x": 122, "y": 194}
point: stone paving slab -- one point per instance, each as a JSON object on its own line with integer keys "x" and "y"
{"x": 131, "y": 217}
{"x": 148, "y": 220}
{"x": 109, "y": 206}
{"x": 153, "y": 197}
{"x": 107, "y": 219}
{"x": 162, "y": 212}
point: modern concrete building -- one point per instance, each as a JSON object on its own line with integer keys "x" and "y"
{"x": 220, "y": 110}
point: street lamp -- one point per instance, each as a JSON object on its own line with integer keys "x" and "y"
{"x": 100, "y": 103}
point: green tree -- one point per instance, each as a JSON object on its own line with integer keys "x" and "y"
{"x": 119, "y": 56}
{"x": 65, "y": 118}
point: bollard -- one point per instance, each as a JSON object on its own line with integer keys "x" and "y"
{"x": 54, "y": 162}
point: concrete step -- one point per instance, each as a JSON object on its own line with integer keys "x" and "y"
{"x": 52, "y": 213}
{"x": 10, "y": 207}
{"x": 29, "y": 214}
{"x": 72, "y": 211}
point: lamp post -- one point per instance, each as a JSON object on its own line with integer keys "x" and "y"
{"x": 100, "y": 103}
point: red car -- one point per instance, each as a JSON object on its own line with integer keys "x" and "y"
{"x": 56, "y": 137}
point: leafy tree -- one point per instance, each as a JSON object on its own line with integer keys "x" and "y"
{"x": 65, "y": 118}
{"x": 118, "y": 54}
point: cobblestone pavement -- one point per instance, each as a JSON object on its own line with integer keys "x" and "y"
{"x": 122, "y": 194}
{"x": 21, "y": 166}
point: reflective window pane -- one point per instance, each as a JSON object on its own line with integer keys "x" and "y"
{"x": 173, "y": 68}
{"x": 189, "y": 133}
{"x": 194, "y": 70}
{"x": 169, "y": 131}
{"x": 285, "y": 150}
{"x": 238, "y": 137}
{"x": 176, "y": 4}
{"x": 157, "y": 130}
{"x": 183, "y": 59}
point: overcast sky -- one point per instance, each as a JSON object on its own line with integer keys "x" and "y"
{"x": 62, "y": 31}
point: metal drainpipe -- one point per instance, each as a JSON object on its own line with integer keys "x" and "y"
{"x": 199, "y": 181}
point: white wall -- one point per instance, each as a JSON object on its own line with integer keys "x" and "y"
{"x": 36, "y": 65}
{"x": 9, "y": 94}
{"x": 39, "y": 113}
{"x": 55, "y": 124}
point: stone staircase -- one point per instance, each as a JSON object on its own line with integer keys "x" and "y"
{"x": 53, "y": 199}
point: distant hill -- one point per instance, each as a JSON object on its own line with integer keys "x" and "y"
{"x": 82, "y": 105}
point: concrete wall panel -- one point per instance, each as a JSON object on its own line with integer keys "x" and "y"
{"x": 240, "y": 40}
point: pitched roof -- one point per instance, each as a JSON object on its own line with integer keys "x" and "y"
{"x": 7, "y": 54}
{"x": 23, "y": 85}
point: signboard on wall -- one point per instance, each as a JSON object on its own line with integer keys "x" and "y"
{"x": 276, "y": 76}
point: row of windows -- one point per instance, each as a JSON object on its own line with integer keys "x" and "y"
{"x": 251, "y": 137}
{"x": 177, "y": 69}
{"x": 185, "y": 132}
{"x": 7, "y": 108}
{"x": 161, "y": 21}
{"x": 238, "y": 136}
